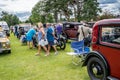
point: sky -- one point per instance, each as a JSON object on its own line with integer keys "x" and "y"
{"x": 111, "y": 5}
{"x": 22, "y": 8}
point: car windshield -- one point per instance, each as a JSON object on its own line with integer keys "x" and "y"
{"x": 5, "y": 27}
{"x": 2, "y": 35}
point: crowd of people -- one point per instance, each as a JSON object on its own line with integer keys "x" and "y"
{"x": 46, "y": 36}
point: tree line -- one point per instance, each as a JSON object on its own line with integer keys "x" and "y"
{"x": 64, "y": 10}
{"x": 61, "y": 10}
{"x": 9, "y": 18}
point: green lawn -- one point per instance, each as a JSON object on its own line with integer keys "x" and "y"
{"x": 22, "y": 64}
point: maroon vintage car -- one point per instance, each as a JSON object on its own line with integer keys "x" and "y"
{"x": 70, "y": 30}
{"x": 103, "y": 62}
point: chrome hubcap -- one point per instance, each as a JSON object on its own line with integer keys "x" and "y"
{"x": 97, "y": 70}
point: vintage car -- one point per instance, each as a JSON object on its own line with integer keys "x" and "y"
{"x": 103, "y": 61}
{"x": 23, "y": 28}
{"x": 5, "y": 27}
{"x": 4, "y": 43}
{"x": 70, "y": 29}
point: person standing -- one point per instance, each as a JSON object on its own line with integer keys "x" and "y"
{"x": 16, "y": 31}
{"x": 42, "y": 41}
{"x": 59, "y": 29}
{"x": 50, "y": 38}
{"x": 84, "y": 33}
{"x": 29, "y": 36}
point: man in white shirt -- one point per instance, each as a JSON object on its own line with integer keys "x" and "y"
{"x": 84, "y": 32}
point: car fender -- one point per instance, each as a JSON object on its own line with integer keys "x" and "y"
{"x": 96, "y": 54}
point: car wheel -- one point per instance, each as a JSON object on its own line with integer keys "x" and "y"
{"x": 9, "y": 51}
{"x": 62, "y": 44}
{"x": 65, "y": 36}
{"x": 96, "y": 69}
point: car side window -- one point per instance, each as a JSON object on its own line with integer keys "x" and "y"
{"x": 111, "y": 34}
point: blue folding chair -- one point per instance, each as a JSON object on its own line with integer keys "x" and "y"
{"x": 79, "y": 51}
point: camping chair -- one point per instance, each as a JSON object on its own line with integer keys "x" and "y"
{"x": 79, "y": 51}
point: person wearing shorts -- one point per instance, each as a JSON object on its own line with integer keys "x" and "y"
{"x": 42, "y": 41}
{"x": 29, "y": 36}
{"x": 50, "y": 38}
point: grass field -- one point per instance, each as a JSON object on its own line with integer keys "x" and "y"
{"x": 22, "y": 64}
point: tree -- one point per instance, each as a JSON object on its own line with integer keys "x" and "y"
{"x": 10, "y": 18}
{"x": 39, "y": 13}
{"x": 57, "y": 7}
{"x": 106, "y": 15}
{"x": 90, "y": 10}
{"x": 79, "y": 9}
{"x": 76, "y": 9}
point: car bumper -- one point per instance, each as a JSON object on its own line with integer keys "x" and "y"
{"x": 8, "y": 49}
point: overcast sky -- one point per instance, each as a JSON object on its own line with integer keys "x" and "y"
{"x": 17, "y": 5}
{"x": 111, "y": 5}
{"x": 25, "y": 6}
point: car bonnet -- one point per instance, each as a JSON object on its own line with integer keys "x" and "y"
{"x": 4, "y": 39}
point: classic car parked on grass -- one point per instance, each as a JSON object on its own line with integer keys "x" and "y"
{"x": 23, "y": 28}
{"x": 103, "y": 61}
{"x": 5, "y": 27}
{"x": 70, "y": 30}
{"x": 4, "y": 43}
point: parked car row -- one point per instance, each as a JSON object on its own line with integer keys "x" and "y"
{"x": 21, "y": 29}
{"x": 70, "y": 29}
{"x": 103, "y": 61}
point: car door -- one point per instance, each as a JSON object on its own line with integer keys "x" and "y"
{"x": 110, "y": 47}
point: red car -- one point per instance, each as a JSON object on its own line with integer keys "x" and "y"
{"x": 103, "y": 61}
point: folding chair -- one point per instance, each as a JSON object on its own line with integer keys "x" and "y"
{"x": 80, "y": 51}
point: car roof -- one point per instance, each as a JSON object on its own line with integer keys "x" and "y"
{"x": 3, "y": 23}
{"x": 72, "y": 23}
{"x": 108, "y": 21}
{"x": 24, "y": 24}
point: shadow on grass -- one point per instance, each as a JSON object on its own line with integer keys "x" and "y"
{"x": 4, "y": 53}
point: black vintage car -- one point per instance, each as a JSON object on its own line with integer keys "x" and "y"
{"x": 22, "y": 29}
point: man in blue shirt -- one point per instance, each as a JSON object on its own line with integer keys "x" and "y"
{"x": 50, "y": 38}
{"x": 29, "y": 36}
{"x": 59, "y": 28}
